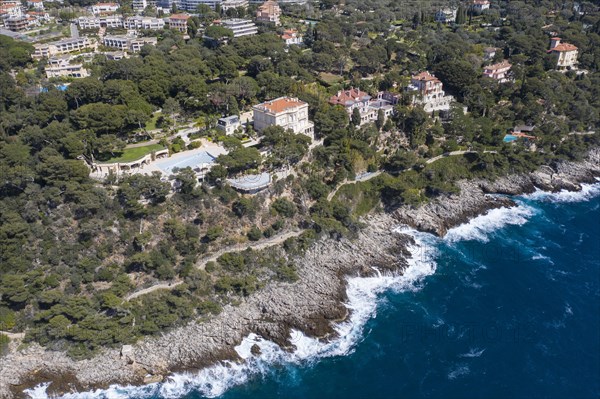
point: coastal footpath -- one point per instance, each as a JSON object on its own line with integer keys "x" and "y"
{"x": 312, "y": 305}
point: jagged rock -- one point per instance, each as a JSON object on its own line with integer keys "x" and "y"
{"x": 311, "y": 304}
{"x": 255, "y": 350}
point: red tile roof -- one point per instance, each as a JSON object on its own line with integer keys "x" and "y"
{"x": 425, "y": 76}
{"x": 347, "y": 97}
{"x": 563, "y": 47}
{"x": 179, "y": 16}
{"x": 500, "y": 65}
{"x": 281, "y": 104}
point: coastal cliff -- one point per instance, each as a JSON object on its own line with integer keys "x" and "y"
{"x": 311, "y": 304}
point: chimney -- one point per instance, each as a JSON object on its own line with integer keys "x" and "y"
{"x": 555, "y": 41}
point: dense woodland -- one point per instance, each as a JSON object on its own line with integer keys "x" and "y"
{"x": 72, "y": 248}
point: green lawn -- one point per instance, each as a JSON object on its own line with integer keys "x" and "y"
{"x": 330, "y": 78}
{"x": 131, "y": 154}
{"x": 151, "y": 124}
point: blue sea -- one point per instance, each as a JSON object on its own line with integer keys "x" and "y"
{"x": 507, "y": 305}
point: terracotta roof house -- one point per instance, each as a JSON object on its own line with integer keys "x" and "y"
{"x": 566, "y": 54}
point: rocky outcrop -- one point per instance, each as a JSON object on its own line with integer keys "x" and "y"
{"x": 476, "y": 197}
{"x": 310, "y": 305}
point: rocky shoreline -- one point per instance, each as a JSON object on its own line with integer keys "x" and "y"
{"x": 312, "y": 304}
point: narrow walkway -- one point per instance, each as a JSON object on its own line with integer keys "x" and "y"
{"x": 370, "y": 176}
{"x": 365, "y": 177}
{"x": 160, "y": 286}
{"x": 10, "y": 335}
{"x": 269, "y": 242}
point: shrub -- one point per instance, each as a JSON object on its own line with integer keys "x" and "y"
{"x": 284, "y": 207}
{"x": 254, "y": 234}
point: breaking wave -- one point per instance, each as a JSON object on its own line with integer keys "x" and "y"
{"x": 481, "y": 227}
{"x": 363, "y": 296}
{"x": 588, "y": 191}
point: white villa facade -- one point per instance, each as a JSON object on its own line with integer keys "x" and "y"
{"x": 429, "y": 92}
{"x": 287, "y": 112}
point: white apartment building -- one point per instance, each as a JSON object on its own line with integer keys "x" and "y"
{"x": 227, "y": 4}
{"x": 139, "y": 22}
{"x": 269, "y": 12}
{"x": 192, "y": 5}
{"x": 59, "y": 67}
{"x": 62, "y": 47}
{"x": 104, "y": 8}
{"x": 240, "y": 27}
{"x": 128, "y": 43}
{"x": 287, "y": 112}
{"x": 229, "y": 124}
{"x": 566, "y": 54}
{"x": 18, "y": 24}
{"x": 35, "y": 4}
{"x": 107, "y": 21}
{"x": 480, "y": 5}
{"x": 10, "y": 9}
{"x": 429, "y": 92}
{"x": 139, "y": 5}
{"x": 498, "y": 71}
{"x": 179, "y": 22}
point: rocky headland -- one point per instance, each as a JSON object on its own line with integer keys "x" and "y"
{"x": 312, "y": 304}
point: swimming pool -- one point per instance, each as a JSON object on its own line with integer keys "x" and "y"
{"x": 509, "y": 137}
{"x": 182, "y": 160}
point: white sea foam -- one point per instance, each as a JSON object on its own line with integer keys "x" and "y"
{"x": 479, "y": 228}
{"x": 458, "y": 371}
{"x": 588, "y": 191}
{"x": 363, "y": 296}
{"x": 474, "y": 352}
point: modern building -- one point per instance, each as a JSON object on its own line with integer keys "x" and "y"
{"x": 128, "y": 43}
{"x": 139, "y": 5}
{"x": 480, "y": 5}
{"x": 291, "y": 36}
{"x": 446, "y": 15}
{"x": 62, "y": 47}
{"x": 229, "y": 124}
{"x": 35, "y": 4}
{"x": 139, "y": 22}
{"x": 10, "y": 9}
{"x": 105, "y": 21}
{"x": 287, "y": 112}
{"x": 429, "y": 92}
{"x": 566, "y": 54}
{"x": 498, "y": 71}
{"x": 251, "y": 184}
{"x": 59, "y": 67}
{"x": 269, "y": 12}
{"x": 179, "y": 22}
{"x": 240, "y": 27}
{"x": 18, "y": 24}
{"x": 40, "y": 16}
{"x": 104, "y": 8}
{"x": 367, "y": 106}
{"x": 192, "y": 5}
{"x": 227, "y": 4}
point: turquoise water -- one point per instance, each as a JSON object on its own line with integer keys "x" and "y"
{"x": 507, "y": 305}
{"x": 509, "y": 137}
